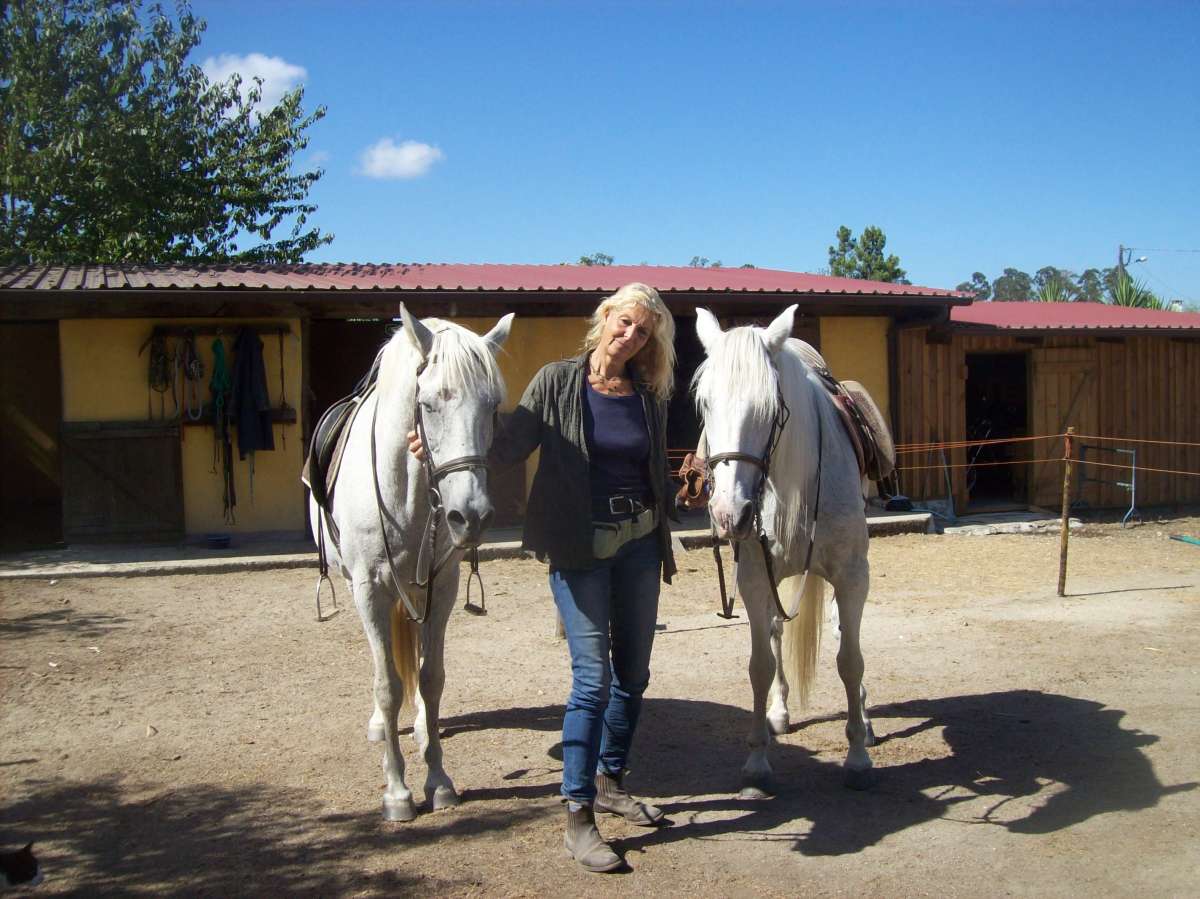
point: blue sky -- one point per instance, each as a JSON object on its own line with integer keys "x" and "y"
{"x": 977, "y": 135}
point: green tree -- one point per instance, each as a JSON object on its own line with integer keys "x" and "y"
{"x": 1013, "y": 285}
{"x": 1128, "y": 292}
{"x": 114, "y": 148}
{"x": 979, "y": 286}
{"x": 864, "y": 258}
{"x": 596, "y": 259}
{"x": 1054, "y": 285}
{"x": 1089, "y": 286}
{"x": 702, "y": 262}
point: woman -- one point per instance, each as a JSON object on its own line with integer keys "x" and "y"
{"x": 597, "y": 514}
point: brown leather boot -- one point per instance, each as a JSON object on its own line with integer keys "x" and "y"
{"x": 584, "y": 843}
{"x": 612, "y": 798}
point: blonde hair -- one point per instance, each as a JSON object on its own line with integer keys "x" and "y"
{"x": 655, "y": 362}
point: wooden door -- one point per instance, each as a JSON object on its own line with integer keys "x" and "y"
{"x": 1063, "y": 393}
{"x": 122, "y": 482}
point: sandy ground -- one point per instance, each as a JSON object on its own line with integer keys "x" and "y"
{"x": 203, "y": 735}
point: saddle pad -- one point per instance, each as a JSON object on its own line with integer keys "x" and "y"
{"x": 328, "y": 443}
{"x": 878, "y": 450}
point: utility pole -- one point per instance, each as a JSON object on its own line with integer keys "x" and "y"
{"x": 1120, "y": 263}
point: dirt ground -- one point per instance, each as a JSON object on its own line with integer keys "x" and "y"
{"x": 203, "y": 735}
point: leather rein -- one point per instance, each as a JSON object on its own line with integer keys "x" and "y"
{"x": 763, "y": 464}
{"x": 427, "y": 571}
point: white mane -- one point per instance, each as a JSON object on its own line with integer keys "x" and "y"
{"x": 741, "y": 365}
{"x": 460, "y": 360}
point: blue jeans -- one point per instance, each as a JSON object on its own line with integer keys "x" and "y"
{"x": 609, "y": 613}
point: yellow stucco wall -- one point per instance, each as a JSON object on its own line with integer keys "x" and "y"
{"x": 531, "y": 344}
{"x": 104, "y": 379}
{"x": 856, "y": 349}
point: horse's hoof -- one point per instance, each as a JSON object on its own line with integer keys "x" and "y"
{"x": 445, "y": 797}
{"x": 779, "y": 726}
{"x": 374, "y": 733}
{"x": 759, "y": 788}
{"x": 398, "y": 809}
{"x": 861, "y": 778}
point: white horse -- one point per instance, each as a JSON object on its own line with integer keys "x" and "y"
{"x": 443, "y": 381}
{"x": 782, "y": 465}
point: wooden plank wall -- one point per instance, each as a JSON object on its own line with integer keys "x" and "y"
{"x": 1141, "y": 388}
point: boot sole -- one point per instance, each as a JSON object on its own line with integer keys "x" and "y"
{"x": 594, "y": 869}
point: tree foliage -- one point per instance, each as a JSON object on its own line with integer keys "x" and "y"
{"x": 864, "y": 258}
{"x": 596, "y": 259}
{"x": 702, "y": 262}
{"x": 115, "y": 149}
{"x": 979, "y": 286}
{"x": 1013, "y": 285}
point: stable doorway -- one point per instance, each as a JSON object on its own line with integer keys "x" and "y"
{"x": 997, "y": 407}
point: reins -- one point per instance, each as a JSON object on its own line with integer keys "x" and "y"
{"x": 763, "y": 463}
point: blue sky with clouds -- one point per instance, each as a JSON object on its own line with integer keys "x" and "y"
{"x": 977, "y": 135}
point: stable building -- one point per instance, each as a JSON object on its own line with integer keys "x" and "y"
{"x": 1127, "y": 380}
{"x": 93, "y": 451}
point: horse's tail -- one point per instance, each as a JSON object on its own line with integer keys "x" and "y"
{"x": 405, "y": 650}
{"x": 802, "y": 635}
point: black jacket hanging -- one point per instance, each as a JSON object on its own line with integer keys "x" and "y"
{"x": 251, "y": 406}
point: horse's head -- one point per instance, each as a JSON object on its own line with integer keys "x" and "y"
{"x": 737, "y": 394}
{"x": 459, "y": 387}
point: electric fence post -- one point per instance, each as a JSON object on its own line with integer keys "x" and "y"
{"x": 1066, "y": 513}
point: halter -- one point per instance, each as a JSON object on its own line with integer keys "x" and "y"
{"x": 426, "y": 569}
{"x": 763, "y": 464}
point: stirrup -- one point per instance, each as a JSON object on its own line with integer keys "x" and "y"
{"x": 469, "y": 606}
{"x": 333, "y": 594}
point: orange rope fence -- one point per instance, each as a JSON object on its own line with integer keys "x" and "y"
{"x": 903, "y": 448}
{"x": 1141, "y": 468}
{"x": 1134, "y": 440}
{"x": 939, "y": 467}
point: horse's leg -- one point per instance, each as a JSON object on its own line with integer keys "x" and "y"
{"x": 752, "y": 584}
{"x": 375, "y": 609}
{"x": 850, "y": 591}
{"x": 439, "y": 789}
{"x": 777, "y": 699}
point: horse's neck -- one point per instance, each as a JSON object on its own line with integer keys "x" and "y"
{"x": 394, "y": 415}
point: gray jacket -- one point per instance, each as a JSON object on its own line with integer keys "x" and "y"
{"x": 558, "y": 519}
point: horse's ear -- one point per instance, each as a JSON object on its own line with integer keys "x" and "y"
{"x": 708, "y": 328}
{"x": 780, "y": 329}
{"x": 499, "y": 334}
{"x": 421, "y": 337}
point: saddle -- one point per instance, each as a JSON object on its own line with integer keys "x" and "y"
{"x": 328, "y": 443}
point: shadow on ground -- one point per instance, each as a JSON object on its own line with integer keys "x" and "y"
{"x": 1072, "y": 754}
{"x": 207, "y": 840}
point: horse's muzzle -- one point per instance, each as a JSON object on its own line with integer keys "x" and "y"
{"x": 467, "y": 526}
{"x": 733, "y": 520}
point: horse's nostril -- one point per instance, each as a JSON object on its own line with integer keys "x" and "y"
{"x": 743, "y": 519}
{"x": 456, "y": 519}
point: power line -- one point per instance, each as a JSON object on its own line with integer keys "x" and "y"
{"x": 1160, "y": 250}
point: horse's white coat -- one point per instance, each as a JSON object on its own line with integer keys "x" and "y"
{"x": 459, "y": 391}
{"x": 737, "y": 390}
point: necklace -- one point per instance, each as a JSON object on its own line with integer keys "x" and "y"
{"x": 606, "y": 384}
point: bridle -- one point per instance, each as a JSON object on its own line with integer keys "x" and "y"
{"x": 763, "y": 464}
{"x": 427, "y": 571}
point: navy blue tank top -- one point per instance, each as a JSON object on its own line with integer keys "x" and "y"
{"x": 618, "y": 444}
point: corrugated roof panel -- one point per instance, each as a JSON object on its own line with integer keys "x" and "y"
{"x": 455, "y": 277}
{"x": 1070, "y": 316}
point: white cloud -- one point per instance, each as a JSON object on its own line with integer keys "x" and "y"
{"x": 387, "y": 159}
{"x": 278, "y": 75}
{"x": 319, "y": 157}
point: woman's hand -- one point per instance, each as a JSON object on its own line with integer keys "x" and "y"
{"x": 415, "y": 446}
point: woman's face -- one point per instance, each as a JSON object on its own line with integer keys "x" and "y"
{"x": 626, "y": 330}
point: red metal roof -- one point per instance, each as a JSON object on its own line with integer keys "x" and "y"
{"x": 1071, "y": 317}
{"x": 442, "y": 276}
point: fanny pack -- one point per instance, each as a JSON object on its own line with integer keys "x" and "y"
{"x": 610, "y": 536}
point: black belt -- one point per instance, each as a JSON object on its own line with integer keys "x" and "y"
{"x": 620, "y": 504}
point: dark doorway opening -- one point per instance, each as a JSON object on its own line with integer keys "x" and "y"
{"x": 997, "y": 398}
{"x": 30, "y": 420}
{"x": 683, "y": 424}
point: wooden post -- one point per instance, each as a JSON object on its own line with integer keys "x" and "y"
{"x": 1066, "y": 513}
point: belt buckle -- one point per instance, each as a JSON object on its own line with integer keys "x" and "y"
{"x": 622, "y": 505}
